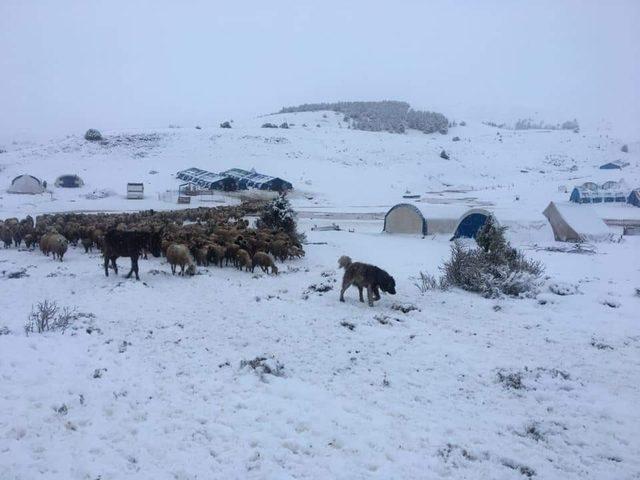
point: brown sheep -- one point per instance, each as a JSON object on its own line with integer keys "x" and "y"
{"x": 178, "y": 254}
{"x": 87, "y": 243}
{"x": 264, "y": 261}
{"x": 230, "y": 254}
{"x": 216, "y": 254}
{"x": 201, "y": 255}
{"x": 244, "y": 260}
{"x": 56, "y": 244}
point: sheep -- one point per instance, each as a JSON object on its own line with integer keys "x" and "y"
{"x": 30, "y": 240}
{"x": 44, "y": 243}
{"x": 244, "y": 260}
{"x": 6, "y": 236}
{"x": 178, "y": 254}
{"x": 57, "y": 245}
{"x": 230, "y": 254}
{"x": 87, "y": 243}
{"x": 264, "y": 261}
{"x": 216, "y": 254}
{"x": 201, "y": 255}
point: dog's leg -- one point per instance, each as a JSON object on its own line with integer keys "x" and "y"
{"x": 370, "y": 296}
{"x": 345, "y": 284}
{"x": 376, "y": 293}
{"x": 360, "y": 292}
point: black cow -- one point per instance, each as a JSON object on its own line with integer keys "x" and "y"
{"x": 130, "y": 244}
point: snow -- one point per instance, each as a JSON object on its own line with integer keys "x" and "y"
{"x": 462, "y": 387}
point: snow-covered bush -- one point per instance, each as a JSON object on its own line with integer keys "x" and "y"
{"x": 494, "y": 268}
{"x": 625, "y": 148}
{"x": 226, "y": 124}
{"x": 269, "y": 125}
{"x": 444, "y": 155}
{"x": 93, "y": 135}
{"x": 426, "y": 282}
{"x": 284, "y": 125}
{"x": 46, "y": 316}
{"x": 278, "y": 214}
{"x": 455, "y": 139}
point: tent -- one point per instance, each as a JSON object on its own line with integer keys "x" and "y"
{"x": 571, "y": 223}
{"x": 26, "y": 184}
{"x": 615, "y": 165}
{"x": 207, "y": 180}
{"x": 69, "y": 181}
{"x": 469, "y": 223}
{"x": 252, "y": 179}
{"x": 405, "y": 218}
{"x": 608, "y": 192}
{"x": 634, "y": 197}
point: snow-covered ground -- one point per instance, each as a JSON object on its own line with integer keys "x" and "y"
{"x": 149, "y": 384}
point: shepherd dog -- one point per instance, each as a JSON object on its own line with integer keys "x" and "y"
{"x": 363, "y": 275}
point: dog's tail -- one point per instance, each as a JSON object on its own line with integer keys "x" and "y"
{"x": 344, "y": 262}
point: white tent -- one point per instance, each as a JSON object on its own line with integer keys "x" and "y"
{"x": 26, "y": 184}
{"x": 421, "y": 219}
{"x": 576, "y": 223}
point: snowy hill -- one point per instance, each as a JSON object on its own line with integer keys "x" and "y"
{"x": 337, "y": 167}
{"x": 155, "y": 380}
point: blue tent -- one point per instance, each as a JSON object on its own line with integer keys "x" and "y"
{"x": 634, "y": 197}
{"x": 469, "y": 223}
{"x": 615, "y": 165}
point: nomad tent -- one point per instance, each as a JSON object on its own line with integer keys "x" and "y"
{"x": 571, "y": 223}
{"x": 69, "y": 181}
{"x": 207, "y": 180}
{"x": 469, "y": 223}
{"x": 608, "y": 192}
{"x": 634, "y": 197}
{"x": 26, "y": 184}
{"x": 405, "y": 218}
{"x": 252, "y": 179}
{"x": 615, "y": 165}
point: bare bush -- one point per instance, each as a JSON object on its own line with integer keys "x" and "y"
{"x": 46, "y": 316}
{"x": 426, "y": 282}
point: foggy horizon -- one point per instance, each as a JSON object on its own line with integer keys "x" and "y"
{"x": 70, "y": 66}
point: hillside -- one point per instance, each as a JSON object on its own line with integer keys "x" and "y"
{"x": 232, "y": 374}
{"x": 330, "y": 166}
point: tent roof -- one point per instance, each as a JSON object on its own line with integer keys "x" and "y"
{"x": 580, "y": 219}
{"x": 26, "y": 184}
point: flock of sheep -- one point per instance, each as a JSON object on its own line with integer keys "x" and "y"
{"x": 187, "y": 238}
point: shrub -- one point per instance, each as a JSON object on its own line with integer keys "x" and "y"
{"x": 93, "y": 135}
{"x": 625, "y": 148}
{"x": 46, "y": 316}
{"x": 225, "y": 125}
{"x": 278, "y": 214}
{"x": 455, "y": 139}
{"x": 463, "y": 123}
{"x": 269, "y": 125}
{"x": 284, "y": 125}
{"x": 444, "y": 155}
{"x": 494, "y": 268}
{"x": 426, "y": 282}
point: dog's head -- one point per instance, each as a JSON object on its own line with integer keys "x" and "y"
{"x": 386, "y": 282}
{"x": 344, "y": 261}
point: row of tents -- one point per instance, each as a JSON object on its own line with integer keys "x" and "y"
{"x": 569, "y": 222}
{"x": 28, "y": 184}
{"x": 233, "y": 179}
{"x": 408, "y": 218}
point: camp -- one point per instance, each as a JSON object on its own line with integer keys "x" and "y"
{"x": 26, "y": 184}
{"x": 571, "y": 223}
{"x": 69, "y": 181}
{"x": 252, "y": 179}
{"x": 469, "y": 223}
{"x": 608, "y": 192}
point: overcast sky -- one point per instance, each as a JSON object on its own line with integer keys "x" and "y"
{"x": 69, "y": 65}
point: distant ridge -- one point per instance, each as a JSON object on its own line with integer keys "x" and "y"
{"x": 387, "y": 115}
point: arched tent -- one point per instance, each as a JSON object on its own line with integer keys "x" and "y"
{"x": 26, "y": 184}
{"x": 69, "y": 181}
{"x": 469, "y": 223}
{"x": 634, "y": 197}
{"x": 405, "y": 218}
